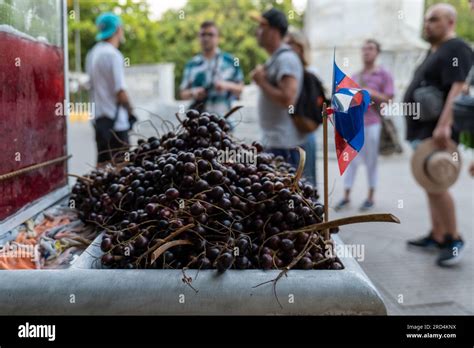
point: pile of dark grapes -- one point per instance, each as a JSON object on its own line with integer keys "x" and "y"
{"x": 231, "y": 215}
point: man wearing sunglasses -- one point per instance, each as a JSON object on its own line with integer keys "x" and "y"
{"x": 212, "y": 79}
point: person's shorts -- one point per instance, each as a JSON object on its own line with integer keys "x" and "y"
{"x": 109, "y": 142}
{"x": 414, "y": 143}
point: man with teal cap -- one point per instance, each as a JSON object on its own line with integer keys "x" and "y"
{"x": 105, "y": 67}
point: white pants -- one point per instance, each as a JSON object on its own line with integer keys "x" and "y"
{"x": 368, "y": 154}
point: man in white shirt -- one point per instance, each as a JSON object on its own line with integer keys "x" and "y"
{"x": 105, "y": 67}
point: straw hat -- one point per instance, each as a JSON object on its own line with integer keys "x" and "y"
{"x": 436, "y": 169}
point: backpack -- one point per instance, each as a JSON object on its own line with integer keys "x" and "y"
{"x": 307, "y": 113}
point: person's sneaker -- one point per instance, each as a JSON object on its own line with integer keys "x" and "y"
{"x": 344, "y": 203}
{"x": 367, "y": 205}
{"x": 451, "y": 253}
{"x": 425, "y": 243}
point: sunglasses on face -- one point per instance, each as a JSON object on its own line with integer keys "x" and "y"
{"x": 369, "y": 48}
{"x": 207, "y": 34}
{"x": 432, "y": 19}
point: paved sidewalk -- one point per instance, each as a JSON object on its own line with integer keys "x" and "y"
{"x": 409, "y": 281}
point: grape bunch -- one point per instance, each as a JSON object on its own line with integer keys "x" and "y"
{"x": 177, "y": 204}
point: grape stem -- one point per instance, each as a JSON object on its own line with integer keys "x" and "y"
{"x": 284, "y": 272}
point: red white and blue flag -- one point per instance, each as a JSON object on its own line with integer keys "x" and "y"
{"x": 348, "y": 105}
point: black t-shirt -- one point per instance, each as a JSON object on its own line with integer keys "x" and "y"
{"x": 450, "y": 63}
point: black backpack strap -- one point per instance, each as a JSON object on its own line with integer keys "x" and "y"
{"x": 321, "y": 88}
{"x": 214, "y": 70}
{"x": 275, "y": 57}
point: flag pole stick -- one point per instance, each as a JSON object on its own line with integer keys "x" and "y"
{"x": 325, "y": 151}
{"x": 325, "y": 159}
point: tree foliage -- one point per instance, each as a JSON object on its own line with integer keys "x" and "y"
{"x": 173, "y": 38}
{"x": 465, "y": 22}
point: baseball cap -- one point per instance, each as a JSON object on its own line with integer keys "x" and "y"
{"x": 107, "y": 23}
{"x": 274, "y": 18}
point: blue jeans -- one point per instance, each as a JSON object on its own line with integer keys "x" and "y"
{"x": 414, "y": 143}
{"x": 310, "y": 165}
{"x": 292, "y": 156}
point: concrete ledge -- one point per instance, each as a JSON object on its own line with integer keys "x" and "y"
{"x": 147, "y": 292}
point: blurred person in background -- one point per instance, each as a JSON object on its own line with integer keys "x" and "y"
{"x": 379, "y": 83}
{"x": 280, "y": 81}
{"x": 468, "y": 98}
{"x": 307, "y": 124}
{"x": 438, "y": 81}
{"x": 105, "y": 67}
{"x": 212, "y": 79}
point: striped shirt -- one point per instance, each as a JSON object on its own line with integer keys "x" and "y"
{"x": 202, "y": 72}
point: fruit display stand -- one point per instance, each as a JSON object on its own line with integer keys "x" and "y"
{"x": 87, "y": 288}
{"x": 39, "y": 178}
{"x": 174, "y": 292}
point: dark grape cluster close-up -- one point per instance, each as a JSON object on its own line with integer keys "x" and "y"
{"x": 177, "y": 204}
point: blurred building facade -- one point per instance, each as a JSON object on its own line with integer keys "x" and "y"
{"x": 346, "y": 24}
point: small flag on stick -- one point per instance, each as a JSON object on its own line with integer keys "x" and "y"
{"x": 348, "y": 105}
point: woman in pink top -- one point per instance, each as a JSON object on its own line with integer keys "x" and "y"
{"x": 379, "y": 84}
